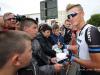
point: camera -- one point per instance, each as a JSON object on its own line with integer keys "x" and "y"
{"x": 20, "y": 17}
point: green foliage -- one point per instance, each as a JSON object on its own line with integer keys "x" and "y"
{"x": 94, "y": 20}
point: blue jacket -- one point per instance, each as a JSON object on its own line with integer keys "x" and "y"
{"x": 54, "y": 39}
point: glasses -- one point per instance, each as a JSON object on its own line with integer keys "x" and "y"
{"x": 71, "y": 15}
{"x": 9, "y": 19}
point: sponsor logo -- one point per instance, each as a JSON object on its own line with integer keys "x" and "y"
{"x": 88, "y": 34}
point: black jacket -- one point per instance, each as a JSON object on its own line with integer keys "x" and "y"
{"x": 38, "y": 54}
{"x": 43, "y": 61}
{"x": 46, "y": 45}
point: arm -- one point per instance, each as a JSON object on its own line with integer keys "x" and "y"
{"x": 94, "y": 63}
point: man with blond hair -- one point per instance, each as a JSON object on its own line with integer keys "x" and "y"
{"x": 88, "y": 42}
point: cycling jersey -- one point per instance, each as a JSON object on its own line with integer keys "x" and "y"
{"x": 88, "y": 41}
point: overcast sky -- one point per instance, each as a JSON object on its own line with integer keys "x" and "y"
{"x": 33, "y": 6}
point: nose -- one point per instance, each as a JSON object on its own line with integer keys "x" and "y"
{"x": 70, "y": 18}
{"x": 13, "y": 19}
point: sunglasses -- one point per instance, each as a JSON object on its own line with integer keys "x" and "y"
{"x": 9, "y": 19}
{"x": 71, "y": 15}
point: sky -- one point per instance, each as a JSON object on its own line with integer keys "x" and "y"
{"x": 33, "y": 6}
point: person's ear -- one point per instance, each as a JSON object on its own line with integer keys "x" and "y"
{"x": 16, "y": 60}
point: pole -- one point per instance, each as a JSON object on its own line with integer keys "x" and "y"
{"x": 45, "y": 11}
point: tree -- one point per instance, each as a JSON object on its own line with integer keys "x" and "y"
{"x": 94, "y": 20}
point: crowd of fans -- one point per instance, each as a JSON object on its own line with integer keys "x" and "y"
{"x": 32, "y": 49}
{"x": 44, "y": 38}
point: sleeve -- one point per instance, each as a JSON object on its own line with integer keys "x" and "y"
{"x": 92, "y": 37}
{"x": 47, "y": 69}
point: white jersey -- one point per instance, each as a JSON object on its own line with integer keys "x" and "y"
{"x": 82, "y": 45}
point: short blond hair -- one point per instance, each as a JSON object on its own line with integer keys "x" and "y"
{"x": 70, "y": 6}
{"x": 6, "y": 14}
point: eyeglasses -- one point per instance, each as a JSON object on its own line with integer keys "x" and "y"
{"x": 9, "y": 19}
{"x": 71, "y": 15}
